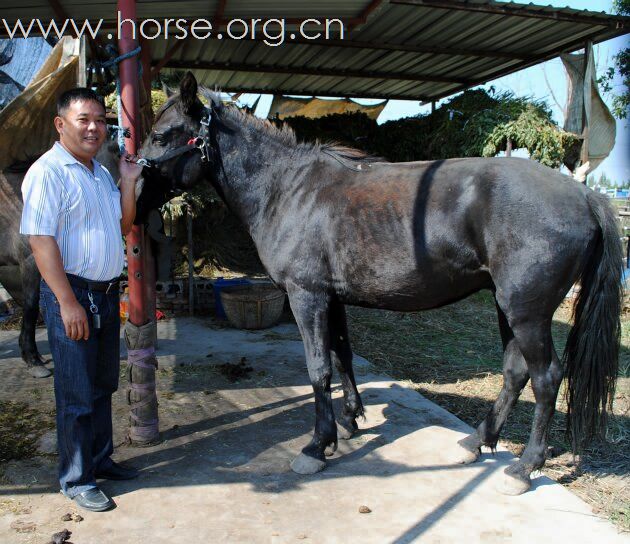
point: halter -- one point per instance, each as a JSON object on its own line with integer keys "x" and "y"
{"x": 202, "y": 143}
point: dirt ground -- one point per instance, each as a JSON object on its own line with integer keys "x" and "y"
{"x": 235, "y": 408}
{"x": 453, "y": 357}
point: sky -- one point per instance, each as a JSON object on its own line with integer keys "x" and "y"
{"x": 531, "y": 82}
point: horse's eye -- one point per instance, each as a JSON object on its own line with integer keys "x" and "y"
{"x": 158, "y": 138}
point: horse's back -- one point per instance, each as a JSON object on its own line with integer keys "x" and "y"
{"x": 533, "y": 228}
{"x": 419, "y": 235}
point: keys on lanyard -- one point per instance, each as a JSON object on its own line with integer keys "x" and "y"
{"x": 96, "y": 317}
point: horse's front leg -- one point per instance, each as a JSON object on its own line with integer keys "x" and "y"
{"x": 311, "y": 314}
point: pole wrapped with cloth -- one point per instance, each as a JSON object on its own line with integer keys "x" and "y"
{"x": 141, "y": 396}
{"x": 139, "y": 330}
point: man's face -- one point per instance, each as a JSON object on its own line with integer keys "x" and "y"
{"x": 82, "y": 128}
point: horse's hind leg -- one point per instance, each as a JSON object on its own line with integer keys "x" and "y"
{"x": 545, "y": 370}
{"x": 341, "y": 354}
{"x": 30, "y": 309}
{"x": 311, "y": 311}
{"x": 515, "y": 377}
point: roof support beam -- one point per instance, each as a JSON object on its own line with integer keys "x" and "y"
{"x": 376, "y": 46}
{"x": 363, "y": 17}
{"x": 58, "y": 9}
{"x": 423, "y": 49}
{"x": 166, "y": 58}
{"x": 578, "y": 43}
{"x": 514, "y": 11}
{"x": 296, "y": 70}
{"x": 218, "y": 14}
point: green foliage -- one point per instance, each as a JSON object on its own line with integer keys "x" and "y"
{"x": 621, "y": 7}
{"x": 158, "y": 97}
{"x": 351, "y": 129}
{"x": 545, "y": 142}
{"x": 472, "y": 124}
{"x": 620, "y": 102}
{"x": 605, "y": 181}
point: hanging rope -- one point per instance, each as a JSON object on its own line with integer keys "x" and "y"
{"x": 115, "y": 62}
{"x": 112, "y": 64}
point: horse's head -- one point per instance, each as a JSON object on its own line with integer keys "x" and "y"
{"x": 180, "y": 146}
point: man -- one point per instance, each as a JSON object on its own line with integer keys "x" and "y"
{"x": 75, "y": 217}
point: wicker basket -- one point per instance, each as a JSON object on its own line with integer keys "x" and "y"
{"x": 255, "y": 306}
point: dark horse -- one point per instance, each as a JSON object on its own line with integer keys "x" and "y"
{"x": 18, "y": 272}
{"x": 332, "y": 229}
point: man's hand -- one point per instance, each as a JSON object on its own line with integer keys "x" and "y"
{"x": 128, "y": 169}
{"x": 75, "y": 320}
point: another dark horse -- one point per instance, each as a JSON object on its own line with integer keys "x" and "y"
{"x": 333, "y": 229}
{"x": 18, "y": 272}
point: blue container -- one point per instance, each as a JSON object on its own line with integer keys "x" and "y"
{"x": 219, "y": 284}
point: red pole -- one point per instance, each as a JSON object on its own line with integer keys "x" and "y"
{"x": 145, "y": 57}
{"x": 128, "y": 70}
{"x": 149, "y": 260}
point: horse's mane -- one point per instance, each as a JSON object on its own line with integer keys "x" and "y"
{"x": 284, "y": 134}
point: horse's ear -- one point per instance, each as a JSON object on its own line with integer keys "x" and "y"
{"x": 188, "y": 91}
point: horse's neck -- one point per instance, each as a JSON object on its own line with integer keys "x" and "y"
{"x": 253, "y": 173}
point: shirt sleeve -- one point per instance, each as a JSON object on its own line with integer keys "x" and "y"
{"x": 42, "y": 194}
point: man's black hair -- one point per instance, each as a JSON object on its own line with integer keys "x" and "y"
{"x": 80, "y": 93}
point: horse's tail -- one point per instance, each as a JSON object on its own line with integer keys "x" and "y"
{"x": 592, "y": 350}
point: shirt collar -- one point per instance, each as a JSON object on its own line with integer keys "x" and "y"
{"x": 67, "y": 157}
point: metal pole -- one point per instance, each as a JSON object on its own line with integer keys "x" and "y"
{"x": 191, "y": 267}
{"x": 128, "y": 70}
{"x": 508, "y": 148}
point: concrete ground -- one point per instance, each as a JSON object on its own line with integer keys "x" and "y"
{"x": 222, "y": 472}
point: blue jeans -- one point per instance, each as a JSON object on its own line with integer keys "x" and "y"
{"x": 86, "y": 376}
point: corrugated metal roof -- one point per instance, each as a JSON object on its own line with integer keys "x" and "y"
{"x": 413, "y": 49}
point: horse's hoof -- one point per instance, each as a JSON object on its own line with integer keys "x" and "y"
{"x": 343, "y": 432}
{"x": 463, "y": 456}
{"x": 330, "y": 449}
{"x": 305, "y": 464}
{"x": 513, "y": 485}
{"x": 39, "y": 371}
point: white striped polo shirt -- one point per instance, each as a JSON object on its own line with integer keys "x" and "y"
{"x": 80, "y": 209}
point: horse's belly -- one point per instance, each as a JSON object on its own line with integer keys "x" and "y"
{"x": 413, "y": 292}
